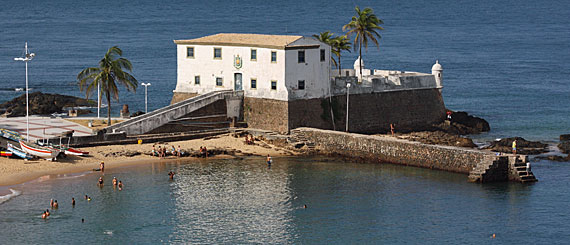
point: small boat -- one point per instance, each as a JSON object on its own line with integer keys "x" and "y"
{"x": 6, "y": 153}
{"x": 76, "y": 152}
{"x": 18, "y": 152}
{"x": 11, "y": 135}
{"x": 41, "y": 152}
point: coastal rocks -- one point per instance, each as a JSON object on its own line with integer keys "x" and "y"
{"x": 439, "y": 138}
{"x": 555, "y": 158}
{"x": 43, "y": 104}
{"x": 524, "y": 147}
{"x": 121, "y": 154}
{"x": 564, "y": 147}
{"x": 462, "y": 124}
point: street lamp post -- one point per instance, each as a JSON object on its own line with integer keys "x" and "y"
{"x": 347, "y": 96}
{"x": 145, "y": 96}
{"x": 27, "y": 57}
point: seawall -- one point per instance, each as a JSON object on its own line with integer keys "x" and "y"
{"x": 481, "y": 166}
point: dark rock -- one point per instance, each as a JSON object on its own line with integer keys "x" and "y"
{"x": 565, "y": 137}
{"x": 439, "y": 138}
{"x": 524, "y": 147}
{"x": 564, "y": 147}
{"x": 43, "y": 104}
{"x": 462, "y": 124}
{"x": 136, "y": 114}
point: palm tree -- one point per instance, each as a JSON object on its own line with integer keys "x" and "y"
{"x": 339, "y": 44}
{"x": 107, "y": 74}
{"x": 365, "y": 25}
{"x": 326, "y": 37}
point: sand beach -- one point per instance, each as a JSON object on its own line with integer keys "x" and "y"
{"x": 17, "y": 171}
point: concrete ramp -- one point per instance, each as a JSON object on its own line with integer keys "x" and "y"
{"x": 149, "y": 121}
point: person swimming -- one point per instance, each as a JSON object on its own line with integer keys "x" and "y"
{"x": 88, "y": 199}
{"x": 55, "y": 205}
{"x": 47, "y": 212}
{"x": 171, "y": 175}
{"x": 44, "y": 215}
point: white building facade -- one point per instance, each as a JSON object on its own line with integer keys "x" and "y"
{"x": 277, "y": 67}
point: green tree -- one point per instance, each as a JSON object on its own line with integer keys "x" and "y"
{"x": 365, "y": 26}
{"x": 112, "y": 69}
{"x": 339, "y": 44}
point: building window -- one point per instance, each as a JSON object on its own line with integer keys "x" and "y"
{"x": 323, "y": 55}
{"x": 219, "y": 81}
{"x": 273, "y": 85}
{"x": 254, "y": 83}
{"x": 190, "y": 52}
{"x": 301, "y": 84}
{"x": 197, "y": 80}
{"x": 301, "y": 56}
{"x": 218, "y": 53}
{"x": 273, "y": 56}
{"x": 254, "y": 54}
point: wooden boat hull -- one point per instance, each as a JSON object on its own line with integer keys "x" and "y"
{"x": 11, "y": 135}
{"x": 75, "y": 152}
{"x": 19, "y": 153}
{"x": 41, "y": 152}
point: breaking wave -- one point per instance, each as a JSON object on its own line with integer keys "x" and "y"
{"x": 5, "y": 198}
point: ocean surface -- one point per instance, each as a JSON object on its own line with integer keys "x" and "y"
{"x": 506, "y": 61}
{"x": 242, "y": 201}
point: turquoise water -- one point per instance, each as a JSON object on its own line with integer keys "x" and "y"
{"x": 506, "y": 61}
{"x": 242, "y": 201}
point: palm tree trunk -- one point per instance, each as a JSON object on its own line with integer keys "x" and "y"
{"x": 360, "y": 53}
{"x": 339, "y": 73}
{"x": 108, "y": 108}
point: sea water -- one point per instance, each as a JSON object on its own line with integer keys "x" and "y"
{"x": 243, "y": 201}
{"x": 506, "y": 61}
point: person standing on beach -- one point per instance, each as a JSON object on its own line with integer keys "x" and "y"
{"x": 515, "y": 147}
{"x": 392, "y": 128}
{"x": 102, "y": 166}
{"x": 178, "y": 153}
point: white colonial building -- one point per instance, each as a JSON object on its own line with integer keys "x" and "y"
{"x": 278, "y": 67}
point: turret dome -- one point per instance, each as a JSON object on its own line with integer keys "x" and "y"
{"x": 357, "y": 63}
{"x": 436, "y": 66}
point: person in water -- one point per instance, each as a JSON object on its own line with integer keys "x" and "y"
{"x": 51, "y": 203}
{"x": 171, "y": 174}
{"x": 47, "y": 212}
{"x": 269, "y": 160}
{"x": 55, "y": 205}
{"x": 86, "y": 197}
{"x": 100, "y": 182}
{"x": 114, "y": 181}
{"x": 120, "y": 185}
{"x": 73, "y": 202}
{"x": 44, "y": 215}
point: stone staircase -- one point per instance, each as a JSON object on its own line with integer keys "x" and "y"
{"x": 298, "y": 140}
{"x": 492, "y": 169}
{"x": 518, "y": 171}
{"x": 149, "y": 121}
{"x": 502, "y": 168}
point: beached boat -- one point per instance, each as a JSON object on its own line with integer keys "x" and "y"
{"x": 67, "y": 150}
{"x": 18, "y": 152}
{"x": 6, "y": 153}
{"x": 11, "y": 135}
{"x": 41, "y": 152}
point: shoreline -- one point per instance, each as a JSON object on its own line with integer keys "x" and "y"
{"x": 17, "y": 171}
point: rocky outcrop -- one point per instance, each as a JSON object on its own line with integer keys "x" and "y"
{"x": 462, "y": 123}
{"x": 524, "y": 147}
{"x": 43, "y": 104}
{"x": 439, "y": 138}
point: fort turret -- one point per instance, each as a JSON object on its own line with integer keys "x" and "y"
{"x": 437, "y": 71}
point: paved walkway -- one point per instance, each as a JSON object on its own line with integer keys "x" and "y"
{"x": 43, "y": 127}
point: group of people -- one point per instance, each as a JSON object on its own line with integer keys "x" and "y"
{"x": 54, "y": 205}
{"x": 116, "y": 183}
{"x": 249, "y": 140}
{"x": 166, "y": 150}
